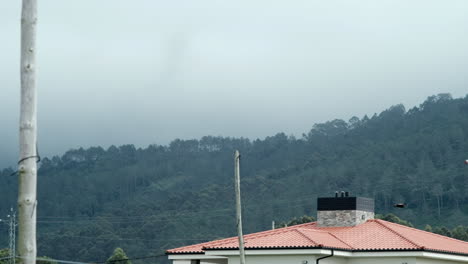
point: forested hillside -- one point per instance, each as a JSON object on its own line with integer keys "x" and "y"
{"x": 151, "y": 199}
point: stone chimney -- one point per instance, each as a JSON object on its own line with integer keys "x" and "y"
{"x": 343, "y": 210}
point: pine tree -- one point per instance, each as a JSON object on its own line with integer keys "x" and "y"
{"x": 118, "y": 257}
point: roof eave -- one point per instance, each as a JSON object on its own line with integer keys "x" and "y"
{"x": 348, "y": 250}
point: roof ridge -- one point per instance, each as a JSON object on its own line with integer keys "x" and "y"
{"x": 430, "y": 233}
{"x": 271, "y": 232}
{"x": 251, "y": 236}
{"x": 327, "y": 232}
{"x": 194, "y": 245}
{"x": 341, "y": 240}
{"x": 298, "y": 225}
{"x": 278, "y": 230}
{"x": 395, "y": 232}
{"x": 219, "y": 242}
{"x": 314, "y": 229}
{"x": 307, "y": 237}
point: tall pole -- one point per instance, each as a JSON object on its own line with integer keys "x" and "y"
{"x": 238, "y": 206}
{"x": 27, "y": 171}
{"x": 12, "y": 231}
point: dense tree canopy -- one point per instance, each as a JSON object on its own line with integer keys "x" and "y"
{"x": 149, "y": 199}
{"x": 296, "y": 221}
{"x": 394, "y": 219}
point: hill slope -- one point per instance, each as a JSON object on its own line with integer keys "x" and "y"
{"x": 146, "y": 200}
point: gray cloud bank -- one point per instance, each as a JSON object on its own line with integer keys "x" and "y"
{"x": 142, "y": 72}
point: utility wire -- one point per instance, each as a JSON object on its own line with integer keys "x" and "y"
{"x": 51, "y": 234}
{"x": 127, "y": 239}
{"x": 57, "y": 260}
{"x": 178, "y": 213}
{"x": 136, "y": 258}
{"x": 80, "y": 262}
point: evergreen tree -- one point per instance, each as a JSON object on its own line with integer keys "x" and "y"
{"x": 118, "y": 257}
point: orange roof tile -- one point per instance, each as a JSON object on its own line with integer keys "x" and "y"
{"x": 371, "y": 235}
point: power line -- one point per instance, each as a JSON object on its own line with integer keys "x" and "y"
{"x": 153, "y": 218}
{"x": 58, "y": 260}
{"x": 50, "y": 234}
{"x": 145, "y": 221}
{"x": 176, "y": 212}
{"x": 136, "y": 258}
{"x": 80, "y": 262}
{"x": 130, "y": 239}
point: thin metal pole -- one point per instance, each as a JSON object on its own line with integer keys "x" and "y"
{"x": 13, "y": 248}
{"x": 12, "y": 239}
{"x": 238, "y": 206}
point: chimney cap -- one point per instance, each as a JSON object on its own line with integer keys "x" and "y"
{"x": 345, "y": 203}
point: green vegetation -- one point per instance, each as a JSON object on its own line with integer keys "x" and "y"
{"x": 146, "y": 200}
{"x": 296, "y": 221}
{"x": 4, "y": 254}
{"x": 394, "y": 219}
{"x": 459, "y": 232}
{"x": 118, "y": 257}
{"x": 45, "y": 260}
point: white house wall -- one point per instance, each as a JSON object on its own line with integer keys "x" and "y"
{"x": 436, "y": 261}
{"x": 181, "y": 261}
{"x": 202, "y": 261}
{"x": 383, "y": 260}
{"x": 400, "y": 260}
{"x": 309, "y": 257}
{"x": 291, "y": 259}
{"x": 300, "y": 259}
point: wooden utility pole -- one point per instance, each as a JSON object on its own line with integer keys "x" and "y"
{"x": 238, "y": 206}
{"x": 27, "y": 171}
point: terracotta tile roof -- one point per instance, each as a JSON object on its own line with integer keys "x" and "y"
{"x": 371, "y": 235}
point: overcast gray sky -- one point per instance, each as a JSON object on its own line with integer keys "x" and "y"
{"x": 149, "y": 71}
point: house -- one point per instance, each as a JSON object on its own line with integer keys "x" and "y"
{"x": 345, "y": 233}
